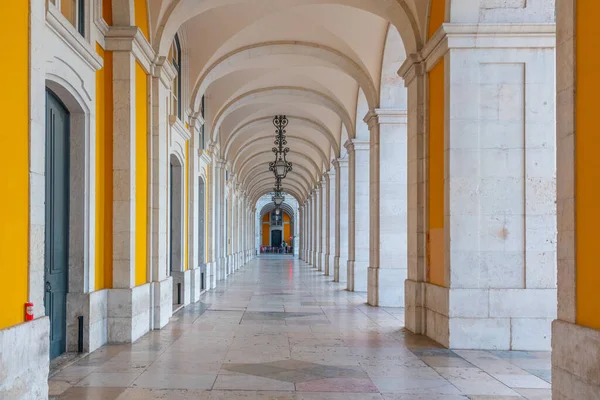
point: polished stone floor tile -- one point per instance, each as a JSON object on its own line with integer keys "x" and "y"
{"x": 279, "y": 330}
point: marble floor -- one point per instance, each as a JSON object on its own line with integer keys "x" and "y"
{"x": 278, "y": 329}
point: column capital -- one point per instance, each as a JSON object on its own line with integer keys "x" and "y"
{"x": 131, "y": 39}
{"x": 412, "y": 68}
{"x": 387, "y": 116}
{"x": 353, "y": 145}
{"x": 340, "y": 163}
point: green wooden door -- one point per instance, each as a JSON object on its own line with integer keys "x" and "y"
{"x": 57, "y": 221}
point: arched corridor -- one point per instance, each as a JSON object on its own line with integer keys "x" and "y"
{"x": 432, "y": 162}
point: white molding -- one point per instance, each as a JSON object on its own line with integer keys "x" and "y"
{"x": 385, "y": 116}
{"x": 164, "y": 71}
{"x": 56, "y": 22}
{"x": 179, "y": 127}
{"x": 476, "y": 36}
{"x": 99, "y": 21}
{"x": 131, "y": 38}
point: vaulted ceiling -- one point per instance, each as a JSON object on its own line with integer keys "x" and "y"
{"x": 323, "y": 63}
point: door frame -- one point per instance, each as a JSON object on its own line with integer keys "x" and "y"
{"x": 81, "y": 274}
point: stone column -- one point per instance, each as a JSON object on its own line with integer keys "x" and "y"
{"x": 162, "y": 288}
{"x": 340, "y": 266}
{"x": 220, "y": 249}
{"x": 329, "y": 219}
{"x": 299, "y": 221}
{"x": 358, "y": 214}
{"x": 316, "y": 225}
{"x": 491, "y": 253}
{"x": 414, "y": 289}
{"x": 129, "y": 305}
{"x": 387, "y": 195}
{"x": 320, "y": 226}
{"x": 211, "y": 228}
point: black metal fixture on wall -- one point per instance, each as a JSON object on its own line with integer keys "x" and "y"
{"x": 281, "y": 166}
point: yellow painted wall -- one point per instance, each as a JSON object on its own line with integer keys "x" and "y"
{"x": 266, "y": 217}
{"x": 287, "y": 229}
{"x": 107, "y": 11}
{"x": 587, "y": 174}
{"x": 266, "y": 234}
{"x": 286, "y": 217}
{"x": 14, "y": 163}
{"x": 435, "y": 233}
{"x": 187, "y": 200}
{"x": 437, "y": 16}
{"x": 104, "y": 177}
{"x": 141, "y": 165}
{"x": 141, "y": 17}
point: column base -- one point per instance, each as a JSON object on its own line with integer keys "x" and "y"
{"x": 336, "y": 269}
{"x": 358, "y": 276}
{"x": 128, "y": 314}
{"x": 386, "y": 287}
{"x": 320, "y": 261}
{"x": 25, "y": 372}
{"x": 575, "y": 362}
{"x": 480, "y": 319}
{"x": 350, "y": 275}
{"x": 414, "y": 310}
{"x": 163, "y": 302}
{"x": 222, "y": 269}
{"x": 93, "y": 307}
{"x": 342, "y": 267}
{"x": 326, "y": 265}
{"x": 211, "y": 270}
{"x": 182, "y": 287}
{"x": 197, "y": 288}
{"x": 331, "y": 264}
{"x": 230, "y": 265}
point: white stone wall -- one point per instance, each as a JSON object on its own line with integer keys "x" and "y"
{"x": 501, "y": 212}
{"x": 24, "y": 370}
{"x": 341, "y": 269}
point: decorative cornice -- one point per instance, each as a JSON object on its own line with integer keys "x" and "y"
{"x": 131, "y": 38}
{"x": 179, "y": 127}
{"x": 353, "y": 145}
{"x": 164, "y": 71}
{"x": 471, "y": 36}
{"x": 63, "y": 29}
{"x": 388, "y": 116}
{"x": 411, "y": 68}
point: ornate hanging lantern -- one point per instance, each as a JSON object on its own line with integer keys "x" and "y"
{"x": 278, "y": 197}
{"x": 280, "y": 167}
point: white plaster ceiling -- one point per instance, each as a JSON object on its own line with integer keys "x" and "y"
{"x": 307, "y": 59}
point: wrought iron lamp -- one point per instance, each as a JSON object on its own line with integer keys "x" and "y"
{"x": 278, "y": 198}
{"x": 281, "y": 166}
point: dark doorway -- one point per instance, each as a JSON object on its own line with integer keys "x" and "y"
{"x": 57, "y": 221}
{"x": 276, "y": 238}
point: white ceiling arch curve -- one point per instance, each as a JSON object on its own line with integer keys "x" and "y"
{"x": 253, "y": 177}
{"x": 289, "y": 180}
{"x": 406, "y": 15}
{"x": 266, "y": 156}
{"x": 254, "y": 199}
{"x": 307, "y": 94}
{"x": 263, "y": 189}
{"x": 298, "y": 144}
{"x": 294, "y": 121}
{"x": 285, "y": 206}
{"x": 299, "y": 170}
{"x": 260, "y": 54}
